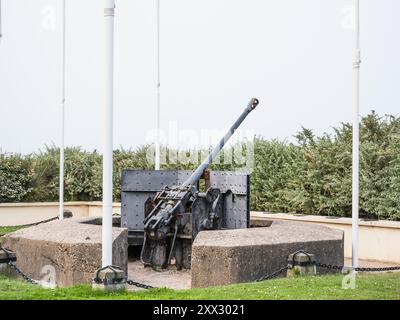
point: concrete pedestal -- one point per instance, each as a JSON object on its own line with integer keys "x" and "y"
{"x": 236, "y": 256}
{"x": 70, "y": 247}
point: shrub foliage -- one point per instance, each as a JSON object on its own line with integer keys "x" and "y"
{"x": 311, "y": 175}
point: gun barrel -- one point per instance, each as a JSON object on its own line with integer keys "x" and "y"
{"x": 196, "y": 176}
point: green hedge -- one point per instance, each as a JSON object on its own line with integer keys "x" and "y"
{"x": 311, "y": 175}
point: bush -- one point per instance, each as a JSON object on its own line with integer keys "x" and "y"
{"x": 311, "y": 175}
{"x": 15, "y": 177}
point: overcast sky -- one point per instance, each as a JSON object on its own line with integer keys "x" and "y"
{"x": 294, "y": 55}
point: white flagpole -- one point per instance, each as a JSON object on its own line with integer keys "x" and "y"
{"x": 107, "y": 239}
{"x": 356, "y": 139}
{"x": 1, "y": 23}
{"x": 62, "y": 146}
{"x": 158, "y": 88}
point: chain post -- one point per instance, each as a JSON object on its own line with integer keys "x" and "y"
{"x": 110, "y": 279}
{"x": 302, "y": 264}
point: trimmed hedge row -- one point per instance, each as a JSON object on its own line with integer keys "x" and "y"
{"x": 311, "y": 176}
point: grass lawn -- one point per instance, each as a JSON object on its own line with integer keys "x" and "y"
{"x": 369, "y": 287}
{"x": 5, "y": 230}
{"x": 372, "y": 287}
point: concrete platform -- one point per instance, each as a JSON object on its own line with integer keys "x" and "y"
{"x": 169, "y": 278}
{"x": 71, "y": 248}
{"x": 236, "y": 256}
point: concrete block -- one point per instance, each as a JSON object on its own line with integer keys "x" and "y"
{"x": 71, "y": 247}
{"x": 236, "y": 256}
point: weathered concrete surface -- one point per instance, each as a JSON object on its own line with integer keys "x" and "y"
{"x": 376, "y": 237}
{"x": 236, "y": 256}
{"x": 71, "y": 246}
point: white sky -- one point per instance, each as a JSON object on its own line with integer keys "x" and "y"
{"x": 294, "y": 55}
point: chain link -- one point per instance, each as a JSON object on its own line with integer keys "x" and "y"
{"x": 139, "y": 285}
{"x": 21, "y": 273}
{"x": 267, "y": 277}
{"x": 41, "y": 222}
{"x": 330, "y": 267}
{"x": 273, "y": 275}
{"x": 382, "y": 269}
{"x": 30, "y": 280}
{"x": 367, "y": 269}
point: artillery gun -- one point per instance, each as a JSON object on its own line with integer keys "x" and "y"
{"x": 177, "y": 213}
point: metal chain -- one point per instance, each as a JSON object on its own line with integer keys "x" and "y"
{"x": 273, "y": 275}
{"x": 40, "y": 222}
{"x": 21, "y": 273}
{"x": 30, "y": 280}
{"x": 329, "y": 266}
{"x": 139, "y": 285}
{"x": 383, "y": 269}
{"x": 267, "y": 277}
{"x": 367, "y": 269}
